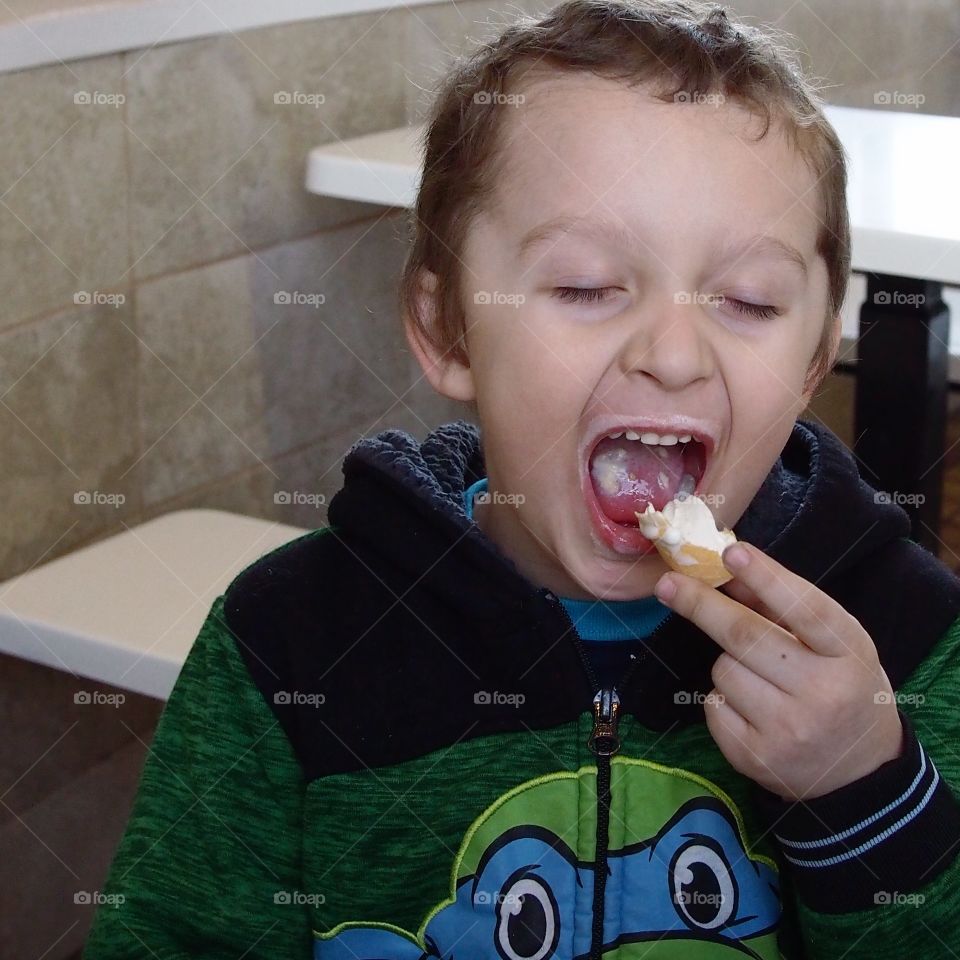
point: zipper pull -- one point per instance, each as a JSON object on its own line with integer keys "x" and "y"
{"x": 604, "y": 741}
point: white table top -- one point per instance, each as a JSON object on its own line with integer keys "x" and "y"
{"x": 126, "y": 610}
{"x": 903, "y": 194}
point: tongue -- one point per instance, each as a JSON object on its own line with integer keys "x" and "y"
{"x": 628, "y": 474}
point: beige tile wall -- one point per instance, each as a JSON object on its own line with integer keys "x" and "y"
{"x": 183, "y": 198}
{"x": 863, "y": 47}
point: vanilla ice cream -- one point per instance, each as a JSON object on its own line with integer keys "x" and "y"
{"x": 687, "y": 538}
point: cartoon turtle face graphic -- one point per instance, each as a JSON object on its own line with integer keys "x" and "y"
{"x": 687, "y": 888}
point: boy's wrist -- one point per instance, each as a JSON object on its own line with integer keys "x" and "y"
{"x": 888, "y": 832}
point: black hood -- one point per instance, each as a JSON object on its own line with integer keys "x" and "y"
{"x": 414, "y": 607}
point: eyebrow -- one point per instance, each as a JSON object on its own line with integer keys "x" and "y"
{"x": 763, "y": 244}
{"x": 560, "y": 226}
{"x": 759, "y": 244}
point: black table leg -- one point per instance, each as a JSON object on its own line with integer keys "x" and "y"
{"x": 901, "y": 396}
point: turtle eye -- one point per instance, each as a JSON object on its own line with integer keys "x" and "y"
{"x": 704, "y": 891}
{"x": 528, "y": 922}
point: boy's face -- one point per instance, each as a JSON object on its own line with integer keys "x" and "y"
{"x": 687, "y": 184}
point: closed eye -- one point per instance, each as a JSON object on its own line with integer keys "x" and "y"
{"x": 581, "y": 294}
{"x": 762, "y": 311}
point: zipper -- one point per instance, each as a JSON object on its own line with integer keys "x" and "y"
{"x": 604, "y": 742}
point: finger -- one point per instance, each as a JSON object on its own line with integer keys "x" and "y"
{"x": 743, "y": 594}
{"x": 768, "y": 650}
{"x": 753, "y": 697}
{"x": 812, "y": 616}
{"x": 732, "y": 733}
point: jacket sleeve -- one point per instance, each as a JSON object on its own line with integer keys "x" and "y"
{"x": 209, "y": 864}
{"x": 873, "y": 865}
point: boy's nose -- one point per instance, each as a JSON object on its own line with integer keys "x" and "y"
{"x": 669, "y": 343}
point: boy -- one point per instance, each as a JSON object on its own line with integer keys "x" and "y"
{"x": 429, "y": 731}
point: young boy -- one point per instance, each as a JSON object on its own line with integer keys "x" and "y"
{"x": 473, "y": 717}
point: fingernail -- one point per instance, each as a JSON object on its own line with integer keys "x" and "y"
{"x": 665, "y": 588}
{"x": 736, "y": 557}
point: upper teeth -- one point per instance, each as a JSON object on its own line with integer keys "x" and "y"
{"x": 654, "y": 439}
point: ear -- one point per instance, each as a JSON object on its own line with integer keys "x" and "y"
{"x": 446, "y": 373}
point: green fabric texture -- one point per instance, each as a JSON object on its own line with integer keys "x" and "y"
{"x": 228, "y": 853}
{"x": 215, "y": 831}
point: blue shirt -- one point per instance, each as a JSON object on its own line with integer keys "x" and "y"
{"x": 611, "y": 629}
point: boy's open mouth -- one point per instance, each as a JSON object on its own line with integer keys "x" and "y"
{"x": 631, "y": 467}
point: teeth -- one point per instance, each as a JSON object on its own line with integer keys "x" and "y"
{"x": 653, "y": 439}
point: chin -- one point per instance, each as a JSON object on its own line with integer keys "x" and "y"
{"x": 622, "y": 579}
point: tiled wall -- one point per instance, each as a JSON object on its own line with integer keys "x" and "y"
{"x": 183, "y": 207}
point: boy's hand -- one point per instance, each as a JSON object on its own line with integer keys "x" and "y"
{"x": 801, "y": 703}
